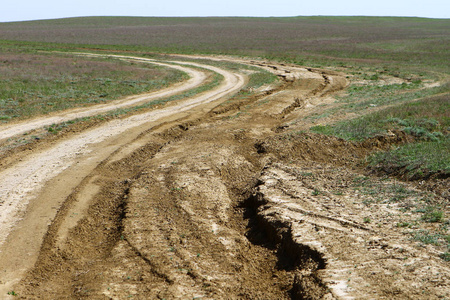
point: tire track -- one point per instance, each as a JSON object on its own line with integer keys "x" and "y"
{"x": 67, "y": 162}
{"x": 196, "y": 79}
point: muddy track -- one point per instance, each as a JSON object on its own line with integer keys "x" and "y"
{"x": 30, "y": 178}
{"x": 53, "y": 190}
{"x": 202, "y": 199}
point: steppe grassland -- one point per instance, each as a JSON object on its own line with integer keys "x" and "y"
{"x": 410, "y": 42}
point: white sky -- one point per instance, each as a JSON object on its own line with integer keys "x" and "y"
{"x": 20, "y": 10}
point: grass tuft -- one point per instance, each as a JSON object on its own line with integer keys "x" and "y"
{"x": 445, "y": 256}
{"x": 417, "y": 160}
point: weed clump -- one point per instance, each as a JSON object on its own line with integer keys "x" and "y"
{"x": 432, "y": 215}
{"x": 445, "y": 256}
{"x": 416, "y": 160}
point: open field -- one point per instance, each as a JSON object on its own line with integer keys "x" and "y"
{"x": 411, "y": 41}
{"x": 264, "y": 158}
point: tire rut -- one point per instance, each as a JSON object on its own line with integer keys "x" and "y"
{"x": 72, "y": 159}
{"x": 166, "y": 220}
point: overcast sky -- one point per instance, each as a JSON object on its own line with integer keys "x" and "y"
{"x": 20, "y": 10}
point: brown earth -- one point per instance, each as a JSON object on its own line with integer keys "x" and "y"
{"x": 224, "y": 200}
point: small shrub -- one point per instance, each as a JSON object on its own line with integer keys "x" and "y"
{"x": 374, "y": 77}
{"x": 416, "y": 131}
{"x": 445, "y": 256}
{"x": 316, "y": 192}
{"x": 433, "y": 216}
{"x": 398, "y": 121}
{"x": 404, "y": 224}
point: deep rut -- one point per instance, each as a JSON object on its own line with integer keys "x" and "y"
{"x": 161, "y": 214}
{"x": 148, "y": 233}
{"x": 35, "y": 186}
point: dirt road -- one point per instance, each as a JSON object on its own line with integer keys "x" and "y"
{"x": 196, "y": 78}
{"x": 208, "y": 198}
{"x": 23, "y": 181}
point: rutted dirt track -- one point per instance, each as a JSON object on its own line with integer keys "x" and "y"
{"x": 199, "y": 199}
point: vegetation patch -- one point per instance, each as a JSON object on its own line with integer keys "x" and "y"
{"x": 361, "y": 98}
{"x": 416, "y": 160}
{"x": 214, "y": 82}
{"x": 426, "y": 120}
{"x": 35, "y": 84}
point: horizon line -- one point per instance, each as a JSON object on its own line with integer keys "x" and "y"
{"x": 212, "y": 16}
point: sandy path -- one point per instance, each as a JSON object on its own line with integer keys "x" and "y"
{"x": 22, "y": 182}
{"x": 197, "y": 77}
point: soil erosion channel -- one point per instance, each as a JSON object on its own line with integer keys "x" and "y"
{"x": 216, "y": 196}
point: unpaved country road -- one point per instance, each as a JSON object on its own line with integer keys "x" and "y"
{"x": 214, "y": 199}
{"x": 47, "y": 195}
{"x": 67, "y": 162}
{"x": 196, "y": 78}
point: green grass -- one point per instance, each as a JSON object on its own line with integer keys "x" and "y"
{"x": 427, "y": 120}
{"x": 420, "y": 117}
{"x": 260, "y": 78}
{"x": 416, "y": 160}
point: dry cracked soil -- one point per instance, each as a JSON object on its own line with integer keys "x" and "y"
{"x": 209, "y": 199}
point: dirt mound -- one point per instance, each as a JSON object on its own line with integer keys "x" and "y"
{"x": 303, "y": 146}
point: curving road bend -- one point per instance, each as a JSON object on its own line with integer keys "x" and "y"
{"x": 197, "y": 77}
{"x": 33, "y": 189}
